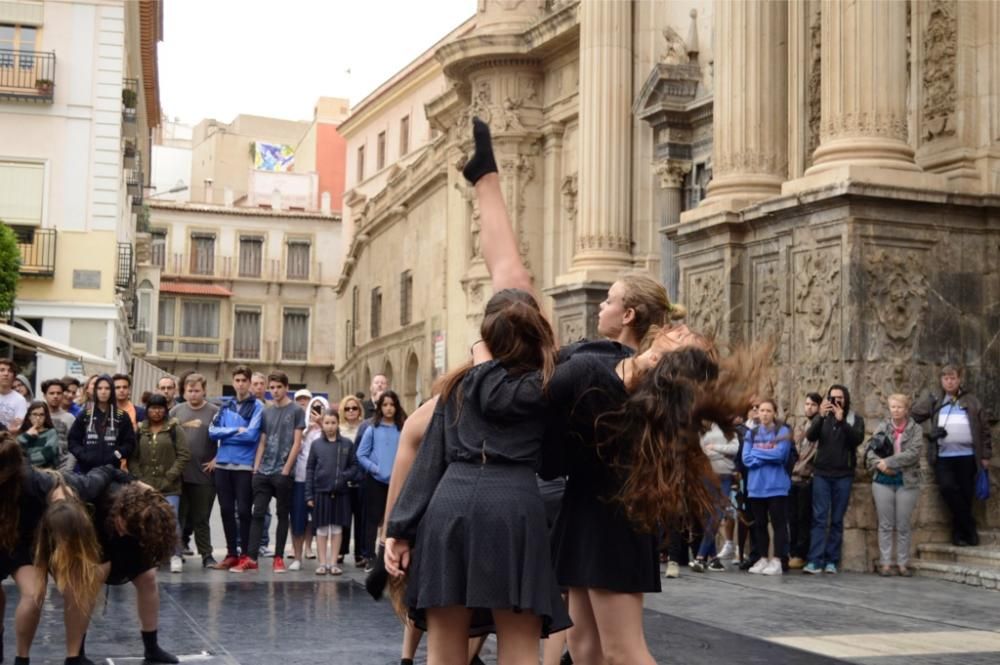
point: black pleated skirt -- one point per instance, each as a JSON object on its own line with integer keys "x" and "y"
{"x": 332, "y": 510}
{"x": 595, "y": 546}
{"x": 483, "y": 544}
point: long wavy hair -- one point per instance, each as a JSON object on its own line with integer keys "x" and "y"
{"x": 517, "y": 334}
{"x": 37, "y": 404}
{"x": 66, "y": 546}
{"x": 144, "y": 514}
{"x": 11, "y": 484}
{"x": 654, "y": 440}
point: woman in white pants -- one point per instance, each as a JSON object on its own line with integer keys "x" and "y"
{"x": 893, "y": 458}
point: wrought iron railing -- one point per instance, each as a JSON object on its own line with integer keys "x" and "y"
{"x": 130, "y": 99}
{"x": 125, "y": 276}
{"x": 27, "y": 75}
{"x": 38, "y": 250}
{"x": 134, "y": 179}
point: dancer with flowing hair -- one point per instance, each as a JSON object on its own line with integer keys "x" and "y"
{"x": 27, "y": 493}
{"x": 642, "y": 452}
{"x": 133, "y": 530}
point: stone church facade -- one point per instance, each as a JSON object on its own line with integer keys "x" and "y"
{"x": 818, "y": 174}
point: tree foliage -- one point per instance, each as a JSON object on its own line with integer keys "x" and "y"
{"x": 10, "y": 266}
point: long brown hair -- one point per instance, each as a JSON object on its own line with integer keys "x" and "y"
{"x": 666, "y": 475}
{"x": 144, "y": 514}
{"x": 11, "y": 484}
{"x": 518, "y": 336}
{"x": 66, "y": 546}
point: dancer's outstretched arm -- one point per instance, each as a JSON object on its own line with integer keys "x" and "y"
{"x": 409, "y": 443}
{"x": 496, "y": 234}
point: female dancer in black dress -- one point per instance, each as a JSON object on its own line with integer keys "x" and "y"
{"x": 26, "y": 492}
{"x": 606, "y": 551}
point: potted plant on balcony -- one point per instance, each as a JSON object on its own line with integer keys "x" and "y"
{"x": 129, "y": 98}
{"x": 44, "y": 87}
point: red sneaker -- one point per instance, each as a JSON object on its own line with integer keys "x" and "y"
{"x": 227, "y": 563}
{"x": 245, "y": 564}
{"x": 279, "y": 565}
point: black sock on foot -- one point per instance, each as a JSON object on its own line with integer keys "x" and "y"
{"x": 482, "y": 161}
{"x": 405, "y": 661}
{"x": 21, "y": 660}
{"x": 78, "y": 660}
{"x": 153, "y": 652}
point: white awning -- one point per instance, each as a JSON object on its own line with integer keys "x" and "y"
{"x": 27, "y": 340}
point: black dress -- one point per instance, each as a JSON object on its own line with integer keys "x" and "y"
{"x": 472, "y": 509}
{"x": 125, "y": 553}
{"x": 594, "y": 544}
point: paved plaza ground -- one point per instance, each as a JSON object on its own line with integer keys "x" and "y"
{"x": 700, "y": 619}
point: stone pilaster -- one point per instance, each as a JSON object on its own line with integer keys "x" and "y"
{"x": 602, "y": 243}
{"x": 863, "y": 88}
{"x": 670, "y": 175}
{"x": 750, "y": 157}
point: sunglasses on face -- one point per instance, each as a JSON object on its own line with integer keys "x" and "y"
{"x": 352, "y": 408}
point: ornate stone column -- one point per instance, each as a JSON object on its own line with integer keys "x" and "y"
{"x": 670, "y": 174}
{"x": 750, "y": 114}
{"x": 602, "y": 243}
{"x": 864, "y": 80}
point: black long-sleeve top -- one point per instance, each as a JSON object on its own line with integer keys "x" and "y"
{"x": 93, "y": 441}
{"x": 837, "y": 444}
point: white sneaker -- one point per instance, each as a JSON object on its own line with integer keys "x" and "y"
{"x": 772, "y": 568}
{"x": 295, "y": 565}
{"x": 673, "y": 570}
{"x": 176, "y": 564}
{"x": 728, "y": 551}
{"x": 759, "y": 567}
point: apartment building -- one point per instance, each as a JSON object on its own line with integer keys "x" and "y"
{"x": 78, "y": 96}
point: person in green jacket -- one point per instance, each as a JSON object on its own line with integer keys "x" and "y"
{"x": 39, "y": 438}
{"x": 159, "y": 459}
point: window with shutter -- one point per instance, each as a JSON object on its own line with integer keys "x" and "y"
{"x": 246, "y": 333}
{"x": 298, "y": 259}
{"x": 202, "y": 254}
{"x": 251, "y": 256}
{"x": 295, "y": 335}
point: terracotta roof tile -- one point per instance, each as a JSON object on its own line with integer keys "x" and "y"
{"x": 195, "y": 289}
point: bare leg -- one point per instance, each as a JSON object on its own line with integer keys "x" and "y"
{"x": 497, "y": 239}
{"x": 517, "y": 637}
{"x": 308, "y": 538}
{"x": 297, "y": 543}
{"x": 335, "y": 546}
{"x": 30, "y": 584}
{"x": 475, "y": 646}
{"x": 619, "y": 622}
{"x": 411, "y": 639}
{"x": 447, "y": 635}
{"x": 321, "y": 542}
{"x": 147, "y": 593}
{"x": 583, "y": 637}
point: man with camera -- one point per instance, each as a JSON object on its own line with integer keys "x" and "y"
{"x": 837, "y": 432}
{"x": 958, "y": 444}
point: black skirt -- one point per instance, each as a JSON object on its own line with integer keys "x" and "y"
{"x": 594, "y": 546}
{"x": 10, "y": 562}
{"x": 483, "y": 544}
{"x": 332, "y": 510}
{"x": 128, "y": 559}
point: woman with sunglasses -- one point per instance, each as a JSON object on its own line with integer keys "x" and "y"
{"x": 351, "y": 416}
{"x": 39, "y": 438}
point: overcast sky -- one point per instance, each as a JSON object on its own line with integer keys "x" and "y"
{"x": 220, "y": 58}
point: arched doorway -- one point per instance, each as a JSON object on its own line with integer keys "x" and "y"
{"x": 411, "y": 385}
{"x": 387, "y": 370}
{"x": 366, "y": 380}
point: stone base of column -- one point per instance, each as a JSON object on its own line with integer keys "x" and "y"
{"x": 866, "y": 175}
{"x": 863, "y": 151}
{"x": 595, "y": 266}
{"x": 575, "y": 309}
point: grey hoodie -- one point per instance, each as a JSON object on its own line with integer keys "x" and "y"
{"x": 723, "y": 452}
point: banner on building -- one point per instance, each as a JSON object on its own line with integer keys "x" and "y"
{"x": 273, "y": 157}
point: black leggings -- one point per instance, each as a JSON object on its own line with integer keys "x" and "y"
{"x": 775, "y": 507}
{"x": 275, "y": 486}
{"x": 956, "y": 479}
{"x": 376, "y": 494}
{"x": 235, "y": 492}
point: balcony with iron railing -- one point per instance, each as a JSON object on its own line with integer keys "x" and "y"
{"x": 27, "y": 75}
{"x": 130, "y": 99}
{"x": 38, "y": 251}
{"x": 125, "y": 277}
{"x": 134, "y": 180}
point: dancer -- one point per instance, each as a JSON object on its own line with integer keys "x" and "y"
{"x": 26, "y": 492}
{"x": 136, "y": 531}
{"x": 606, "y": 550}
{"x": 103, "y": 434}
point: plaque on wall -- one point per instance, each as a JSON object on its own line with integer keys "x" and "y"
{"x": 86, "y": 279}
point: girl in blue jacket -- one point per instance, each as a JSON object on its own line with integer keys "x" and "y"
{"x": 765, "y": 454}
{"x": 376, "y": 455}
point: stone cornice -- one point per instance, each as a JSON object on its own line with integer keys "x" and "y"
{"x": 380, "y": 210}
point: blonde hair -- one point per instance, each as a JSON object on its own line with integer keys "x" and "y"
{"x": 344, "y": 402}
{"x": 650, "y": 302}
{"x": 900, "y": 397}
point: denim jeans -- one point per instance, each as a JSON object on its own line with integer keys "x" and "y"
{"x": 707, "y": 549}
{"x": 830, "y": 498}
{"x": 175, "y": 502}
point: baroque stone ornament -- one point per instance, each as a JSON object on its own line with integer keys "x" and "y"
{"x": 571, "y": 329}
{"x": 814, "y": 86}
{"x": 671, "y": 173}
{"x": 469, "y": 194}
{"x": 898, "y": 292}
{"x": 940, "y": 50}
{"x": 677, "y": 51}
{"x": 569, "y": 191}
{"x": 887, "y": 124}
{"x": 705, "y": 296}
{"x": 768, "y": 318}
{"x": 817, "y": 305}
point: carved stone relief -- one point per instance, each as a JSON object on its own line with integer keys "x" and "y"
{"x": 940, "y": 51}
{"x": 816, "y": 321}
{"x": 705, "y": 298}
{"x": 569, "y": 191}
{"x": 469, "y": 194}
{"x": 898, "y": 292}
{"x": 752, "y": 162}
{"x": 516, "y": 172}
{"x": 671, "y": 172}
{"x": 885, "y": 125}
{"x": 677, "y": 51}
{"x": 813, "y": 89}
{"x": 768, "y": 319}
{"x": 571, "y": 329}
